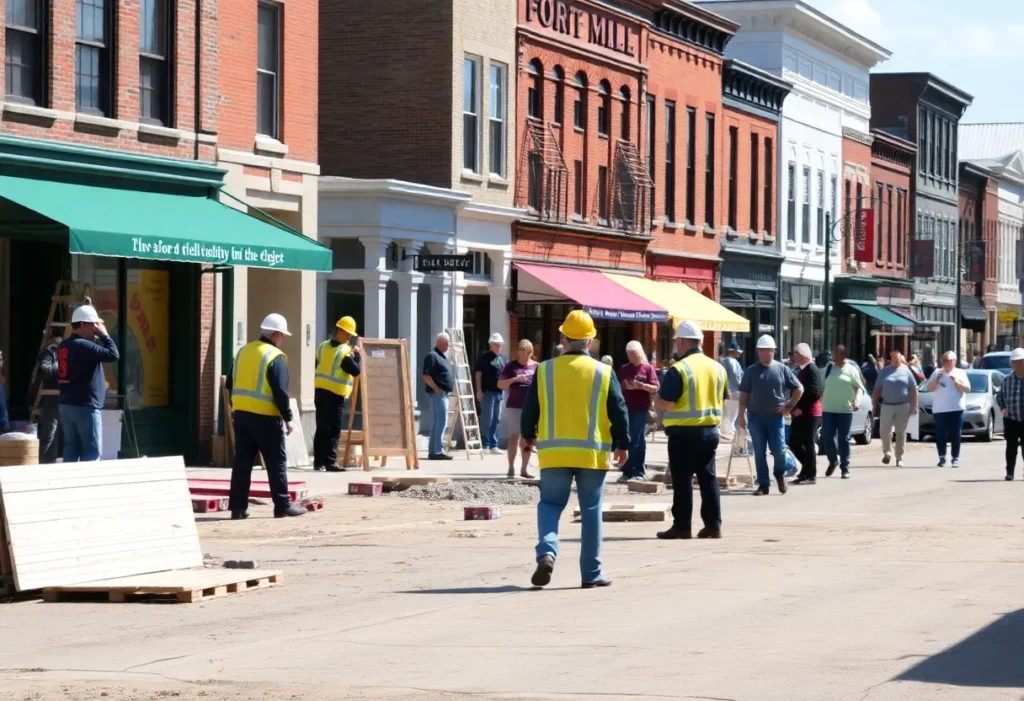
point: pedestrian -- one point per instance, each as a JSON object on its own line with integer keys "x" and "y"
{"x": 1011, "y": 401}
{"x": 869, "y": 373}
{"x": 639, "y": 382}
{"x": 486, "y": 372}
{"x": 516, "y": 378}
{"x": 915, "y": 367}
{"x": 557, "y": 350}
{"x": 573, "y": 432}
{"x": 607, "y": 360}
{"x": 338, "y": 362}
{"x": 949, "y": 385}
{"x": 803, "y": 431}
{"x": 896, "y": 395}
{"x": 82, "y": 383}
{"x": 49, "y": 431}
{"x": 768, "y": 392}
{"x": 733, "y": 374}
{"x": 258, "y": 386}
{"x": 963, "y": 364}
{"x": 840, "y": 397}
{"x": 691, "y": 398}
{"x": 439, "y": 379}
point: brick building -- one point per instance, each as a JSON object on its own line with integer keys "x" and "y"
{"x": 978, "y": 234}
{"x": 122, "y": 127}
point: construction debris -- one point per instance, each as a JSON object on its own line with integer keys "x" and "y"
{"x": 632, "y": 512}
{"x": 481, "y": 513}
{"x": 643, "y": 487}
{"x": 365, "y": 489}
{"x": 475, "y": 492}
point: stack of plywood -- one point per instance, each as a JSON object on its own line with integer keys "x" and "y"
{"x": 23, "y": 450}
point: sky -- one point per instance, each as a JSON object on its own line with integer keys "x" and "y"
{"x": 977, "y": 45}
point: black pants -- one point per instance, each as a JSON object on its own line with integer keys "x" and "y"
{"x": 803, "y": 434}
{"x": 258, "y": 434}
{"x": 1014, "y": 434}
{"x": 49, "y": 431}
{"x": 691, "y": 451}
{"x": 329, "y": 410}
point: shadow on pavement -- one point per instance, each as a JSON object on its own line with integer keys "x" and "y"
{"x": 1000, "y": 479}
{"x": 989, "y": 658}
{"x": 504, "y": 589}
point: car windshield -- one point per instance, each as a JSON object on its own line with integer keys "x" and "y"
{"x": 995, "y": 362}
{"x": 978, "y": 380}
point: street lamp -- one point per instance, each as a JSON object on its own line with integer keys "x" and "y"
{"x": 969, "y": 252}
{"x": 800, "y": 296}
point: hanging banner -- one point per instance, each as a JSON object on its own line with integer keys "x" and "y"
{"x": 975, "y": 259}
{"x": 864, "y": 237}
{"x": 922, "y": 258}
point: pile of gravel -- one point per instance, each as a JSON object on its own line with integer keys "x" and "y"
{"x": 487, "y": 493}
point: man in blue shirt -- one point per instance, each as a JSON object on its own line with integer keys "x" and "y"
{"x": 439, "y": 378}
{"x": 82, "y": 384}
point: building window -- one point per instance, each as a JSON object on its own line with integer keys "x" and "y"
{"x": 888, "y": 226}
{"x": 26, "y": 40}
{"x": 922, "y": 136}
{"x": 670, "y": 161}
{"x": 604, "y": 107}
{"x": 755, "y": 163}
{"x": 691, "y": 165}
{"x": 481, "y": 265}
{"x": 535, "y": 91}
{"x": 878, "y": 221}
{"x": 933, "y": 145}
{"x": 769, "y": 196}
{"x": 709, "y": 172}
{"x": 805, "y": 212}
{"x": 268, "y": 85}
{"x": 821, "y": 208}
{"x": 559, "y": 77}
{"x": 734, "y": 137}
{"x": 950, "y": 249}
{"x": 947, "y": 152}
{"x": 624, "y": 122}
{"x": 847, "y": 219}
{"x": 155, "y": 60}
{"x": 533, "y": 178}
{"x": 602, "y": 194}
{"x": 834, "y": 207}
{"x": 651, "y": 126}
{"x": 579, "y": 106}
{"x": 93, "y": 62}
{"x": 791, "y": 202}
{"x": 496, "y": 127}
{"x": 577, "y": 175}
{"x": 471, "y": 114}
{"x": 901, "y": 212}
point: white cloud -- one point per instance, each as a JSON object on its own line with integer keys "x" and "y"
{"x": 859, "y": 16}
{"x": 983, "y": 42}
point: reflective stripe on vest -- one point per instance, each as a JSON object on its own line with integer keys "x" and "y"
{"x": 590, "y": 443}
{"x": 335, "y": 380}
{"x": 686, "y": 407}
{"x": 262, "y": 393}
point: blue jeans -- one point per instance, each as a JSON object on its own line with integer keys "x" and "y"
{"x": 555, "y": 487}
{"x": 835, "y": 432}
{"x": 767, "y": 434}
{"x": 438, "y": 423}
{"x": 82, "y": 433}
{"x": 490, "y": 415}
{"x": 636, "y": 462}
{"x": 948, "y": 427}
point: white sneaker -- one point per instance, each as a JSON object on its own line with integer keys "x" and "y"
{"x": 899, "y": 463}
{"x": 494, "y": 451}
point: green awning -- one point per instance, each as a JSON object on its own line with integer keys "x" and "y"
{"x": 158, "y": 225}
{"x": 887, "y": 317}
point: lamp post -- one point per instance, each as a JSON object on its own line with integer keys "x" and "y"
{"x": 968, "y": 252}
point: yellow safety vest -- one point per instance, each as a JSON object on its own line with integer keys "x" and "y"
{"x": 700, "y": 404}
{"x": 574, "y": 429}
{"x": 250, "y": 390}
{"x": 329, "y": 374}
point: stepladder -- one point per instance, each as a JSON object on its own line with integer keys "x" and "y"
{"x": 462, "y": 403}
{"x": 67, "y": 295}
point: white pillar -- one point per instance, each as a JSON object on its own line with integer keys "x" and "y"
{"x": 440, "y": 303}
{"x": 321, "y": 307}
{"x": 374, "y": 304}
{"x": 408, "y": 318}
{"x": 499, "y": 317}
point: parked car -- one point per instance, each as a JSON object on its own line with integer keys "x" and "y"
{"x": 998, "y": 360}
{"x": 982, "y": 418}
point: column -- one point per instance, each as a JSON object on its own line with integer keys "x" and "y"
{"x": 320, "y": 328}
{"x": 374, "y": 303}
{"x": 440, "y": 304}
{"x": 408, "y": 319}
{"x": 499, "y": 317}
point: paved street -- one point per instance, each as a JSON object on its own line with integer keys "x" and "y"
{"x": 893, "y": 585}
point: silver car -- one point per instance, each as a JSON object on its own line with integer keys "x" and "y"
{"x": 983, "y": 418}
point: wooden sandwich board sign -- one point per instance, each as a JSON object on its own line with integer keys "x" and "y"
{"x": 384, "y": 393}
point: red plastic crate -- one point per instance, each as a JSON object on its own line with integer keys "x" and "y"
{"x": 365, "y": 489}
{"x": 481, "y": 513}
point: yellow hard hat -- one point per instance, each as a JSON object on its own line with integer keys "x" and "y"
{"x": 578, "y": 325}
{"x": 347, "y": 324}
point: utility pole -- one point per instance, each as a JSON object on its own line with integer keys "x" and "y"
{"x": 826, "y": 292}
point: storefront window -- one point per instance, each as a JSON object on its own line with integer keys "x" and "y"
{"x": 98, "y": 276}
{"x": 146, "y": 350}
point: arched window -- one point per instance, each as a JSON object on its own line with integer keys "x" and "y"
{"x": 559, "y": 76}
{"x": 535, "y": 91}
{"x": 579, "y": 107}
{"x": 624, "y": 122}
{"x": 604, "y": 108}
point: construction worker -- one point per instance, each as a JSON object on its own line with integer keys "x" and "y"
{"x": 692, "y": 396}
{"x": 573, "y": 416}
{"x": 337, "y": 363}
{"x": 258, "y": 383}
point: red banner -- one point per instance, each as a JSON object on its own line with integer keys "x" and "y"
{"x": 922, "y": 258}
{"x": 864, "y": 237}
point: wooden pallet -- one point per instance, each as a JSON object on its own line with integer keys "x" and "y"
{"x": 181, "y": 586}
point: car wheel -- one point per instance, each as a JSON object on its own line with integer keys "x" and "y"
{"x": 990, "y": 429}
{"x": 865, "y": 437}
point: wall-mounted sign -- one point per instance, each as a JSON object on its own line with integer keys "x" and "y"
{"x": 442, "y": 263}
{"x": 922, "y": 258}
{"x": 864, "y": 237}
{"x": 595, "y": 28}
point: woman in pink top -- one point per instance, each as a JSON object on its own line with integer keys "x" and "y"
{"x": 516, "y": 377}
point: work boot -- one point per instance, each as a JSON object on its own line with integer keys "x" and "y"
{"x": 831, "y": 469}
{"x": 886, "y": 458}
{"x": 780, "y": 479}
{"x": 318, "y": 468}
{"x": 542, "y": 575}
{"x": 762, "y": 490}
{"x": 239, "y": 515}
{"x": 674, "y": 533}
{"x": 709, "y": 533}
{"x": 596, "y": 583}
{"x": 290, "y": 510}
{"x": 336, "y": 468}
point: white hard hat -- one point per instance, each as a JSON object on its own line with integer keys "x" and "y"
{"x": 496, "y": 338}
{"x": 803, "y": 349}
{"x": 1017, "y": 354}
{"x": 87, "y": 314}
{"x": 690, "y": 330}
{"x": 766, "y": 341}
{"x": 275, "y": 322}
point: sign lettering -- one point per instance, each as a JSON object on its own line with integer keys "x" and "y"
{"x": 562, "y": 17}
{"x": 864, "y": 237}
{"x": 433, "y": 264}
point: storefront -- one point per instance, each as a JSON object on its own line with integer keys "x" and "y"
{"x": 750, "y": 288}
{"x": 1008, "y": 327}
{"x": 137, "y": 235}
{"x": 873, "y": 315}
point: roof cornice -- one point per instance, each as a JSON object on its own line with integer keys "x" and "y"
{"x": 752, "y": 89}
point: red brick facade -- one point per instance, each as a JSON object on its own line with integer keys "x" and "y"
{"x": 857, "y": 189}
{"x": 892, "y": 162}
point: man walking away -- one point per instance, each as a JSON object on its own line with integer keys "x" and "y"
{"x": 840, "y": 398}
{"x": 896, "y": 394}
{"x": 49, "y": 404}
{"x": 803, "y": 432}
{"x": 639, "y": 381}
{"x": 575, "y": 415}
{"x": 763, "y": 396}
{"x": 82, "y": 384}
{"x": 439, "y": 378}
{"x": 1011, "y": 401}
{"x": 733, "y": 374}
{"x": 692, "y": 397}
{"x": 487, "y": 370}
{"x": 337, "y": 364}
{"x": 258, "y": 386}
